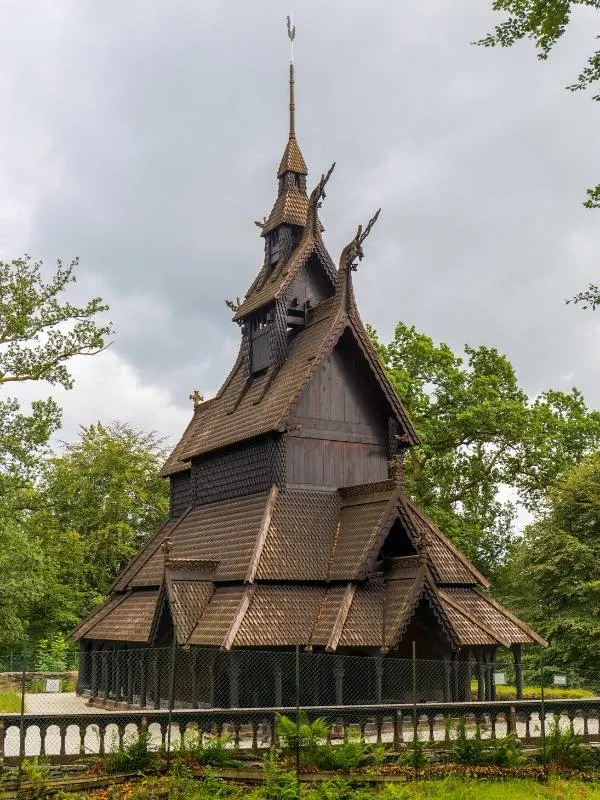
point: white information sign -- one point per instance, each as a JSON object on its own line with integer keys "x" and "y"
{"x": 52, "y": 685}
{"x": 559, "y": 680}
{"x": 500, "y": 678}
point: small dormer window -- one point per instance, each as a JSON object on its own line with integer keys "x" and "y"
{"x": 260, "y": 342}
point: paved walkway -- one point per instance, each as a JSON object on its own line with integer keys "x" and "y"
{"x": 59, "y": 703}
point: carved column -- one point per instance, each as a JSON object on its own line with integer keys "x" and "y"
{"x": 155, "y": 679}
{"x": 194, "y": 678}
{"x": 94, "y": 655}
{"x": 338, "y": 674}
{"x": 129, "y": 684}
{"x": 447, "y": 680}
{"x": 378, "y": 680}
{"x": 516, "y": 649}
{"x": 234, "y": 682}
{"x": 143, "y": 677}
{"x": 211, "y": 679}
{"x": 480, "y": 677}
{"x": 277, "y": 678}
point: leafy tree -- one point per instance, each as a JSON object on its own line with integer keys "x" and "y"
{"x": 96, "y": 506}
{"x": 40, "y": 332}
{"x": 481, "y": 436}
{"x": 551, "y": 576}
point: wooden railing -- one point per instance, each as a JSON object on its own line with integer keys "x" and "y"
{"x": 68, "y": 737}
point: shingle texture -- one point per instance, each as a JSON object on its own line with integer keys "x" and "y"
{"x": 300, "y": 536}
{"x": 475, "y": 604}
{"x": 292, "y": 159}
{"x": 129, "y": 620}
{"x": 218, "y": 616}
{"x": 188, "y": 600}
{"x": 225, "y": 532}
{"x": 280, "y": 616}
{"x": 290, "y": 207}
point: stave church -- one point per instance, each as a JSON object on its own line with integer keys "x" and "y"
{"x": 289, "y": 524}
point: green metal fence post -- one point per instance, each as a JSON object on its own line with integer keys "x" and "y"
{"x": 543, "y": 711}
{"x": 414, "y": 700}
{"x": 171, "y": 695}
{"x": 298, "y": 717}
{"x": 22, "y": 722}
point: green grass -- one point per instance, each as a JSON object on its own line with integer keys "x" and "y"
{"x": 10, "y": 701}
{"x": 450, "y": 789}
{"x": 534, "y": 693}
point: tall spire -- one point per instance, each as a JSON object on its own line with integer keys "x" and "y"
{"x": 292, "y": 203}
{"x": 291, "y": 29}
{"x": 292, "y": 106}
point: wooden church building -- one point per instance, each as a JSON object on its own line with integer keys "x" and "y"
{"x": 289, "y": 524}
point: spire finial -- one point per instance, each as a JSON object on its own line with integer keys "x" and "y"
{"x": 291, "y": 31}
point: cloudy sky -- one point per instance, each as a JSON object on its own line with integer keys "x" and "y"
{"x": 143, "y": 136}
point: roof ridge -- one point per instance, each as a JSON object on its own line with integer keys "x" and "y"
{"x": 457, "y": 606}
{"x": 407, "y": 611}
{"x": 413, "y": 508}
{"x": 518, "y": 622}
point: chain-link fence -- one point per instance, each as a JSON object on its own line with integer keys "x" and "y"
{"x": 171, "y": 692}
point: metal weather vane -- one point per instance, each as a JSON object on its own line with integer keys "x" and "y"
{"x": 291, "y": 31}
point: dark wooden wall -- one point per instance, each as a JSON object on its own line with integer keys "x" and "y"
{"x": 181, "y": 492}
{"x": 343, "y": 438}
{"x": 311, "y": 283}
{"x": 240, "y": 470}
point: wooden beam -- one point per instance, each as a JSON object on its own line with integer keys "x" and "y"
{"x": 239, "y": 617}
{"x": 338, "y": 625}
{"x": 262, "y": 535}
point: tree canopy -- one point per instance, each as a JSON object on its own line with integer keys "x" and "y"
{"x": 40, "y": 332}
{"x": 485, "y": 443}
{"x": 551, "y": 576}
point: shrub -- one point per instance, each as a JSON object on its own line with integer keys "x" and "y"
{"x": 198, "y": 750}
{"x": 464, "y": 749}
{"x": 564, "y": 748}
{"x": 137, "y": 755}
{"x": 309, "y": 737}
{"x": 349, "y": 755}
{"x": 415, "y": 755}
{"x": 279, "y": 784}
{"x": 505, "y": 752}
{"x": 37, "y": 771}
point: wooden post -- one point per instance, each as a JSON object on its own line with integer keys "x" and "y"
{"x": 143, "y": 677}
{"x": 447, "y": 682}
{"x": 155, "y": 679}
{"x": 94, "y": 654}
{"x": 211, "y": 680}
{"x": 194, "y": 677}
{"x": 338, "y": 673}
{"x": 129, "y": 689}
{"x": 378, "y": 679}
{"x": 480, "y": 677}
{"x": 234, "y": 682}
{"x": 277, "y": 677}
{"x": 516, "y": 649}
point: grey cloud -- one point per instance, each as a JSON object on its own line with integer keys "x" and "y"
{"x": 164, "y": 124}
